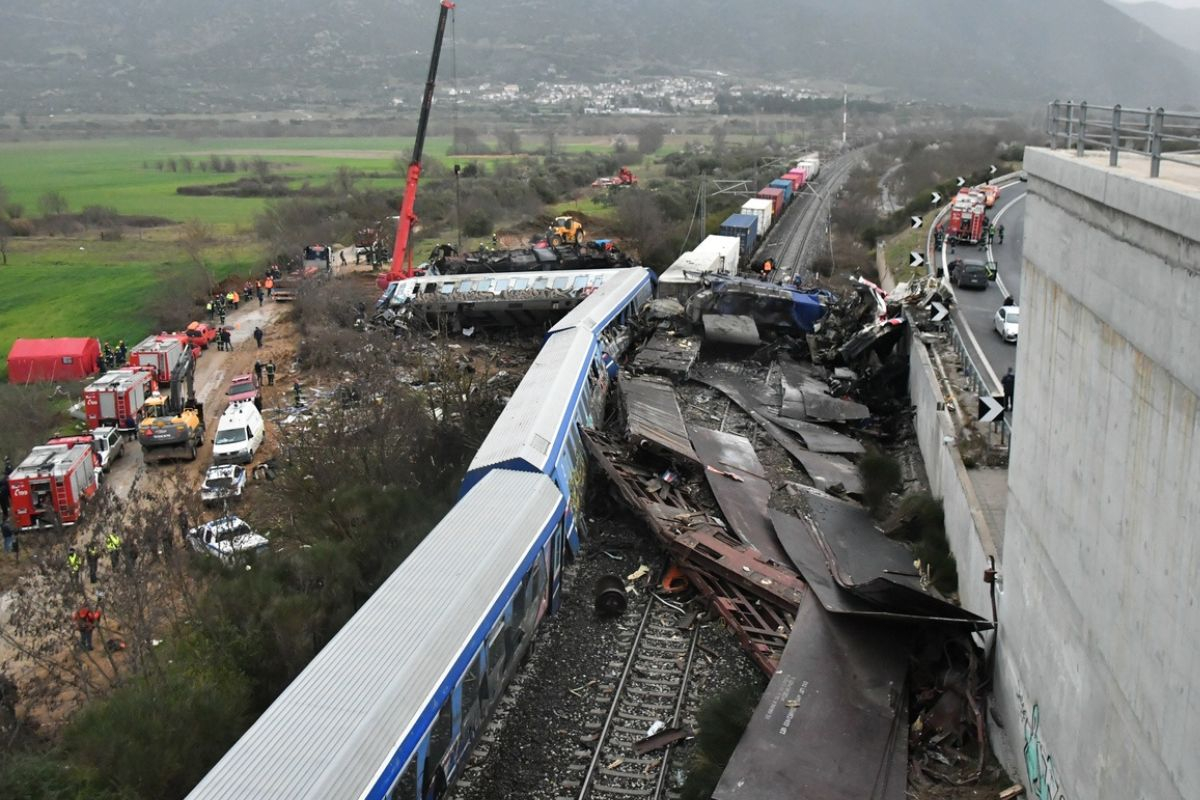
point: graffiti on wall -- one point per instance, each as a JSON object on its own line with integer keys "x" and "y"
{"x": 1039, "y": 765}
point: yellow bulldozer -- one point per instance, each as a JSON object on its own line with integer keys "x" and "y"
{"x": 565, "y": 230}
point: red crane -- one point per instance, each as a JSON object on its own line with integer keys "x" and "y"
{"x": 402, "y": 254}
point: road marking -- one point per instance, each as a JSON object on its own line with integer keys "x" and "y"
{"x": 991, "y": 256}
{"x": 965, "y": 327}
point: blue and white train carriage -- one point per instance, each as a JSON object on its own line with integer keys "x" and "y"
{"x": 391, "y": 707}
{"x": 564, "y": 388}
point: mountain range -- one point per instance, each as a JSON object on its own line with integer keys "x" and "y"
{"x": 1178, "y": 25}
{"x": 152, "y": 56}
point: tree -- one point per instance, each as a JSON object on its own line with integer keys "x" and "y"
{"x": 186, "y": 163}
{"x": 53, "y": 203}
{"x": 261, "y": 168}
{"x": 5, "y": 234}
{"x": 510, "y": 140}
{"x": 343, "y": 180}
{"x": 550, "y": 136}
{"x": 466, "y": 140}
{"x": 650, "y": 138}
{"x": 195, "y": 241}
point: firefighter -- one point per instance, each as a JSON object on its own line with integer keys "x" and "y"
{"x": 210, "y": 309}
{"x": 112, "y": 544}
{"x": 7, "y": 529}
{"x": 122, "y": 351}
{"x": 258, "y": 372}
{"x": 92, "y": 553}
{"x": 269, "y": 284}
{"x": 86, "y": 620}
{"x": 270, "y": 373}
{"x": 258, "y": 335}
{"x": 74, "y": 566}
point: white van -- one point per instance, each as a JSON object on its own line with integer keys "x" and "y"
{"x": 240, "y": 432}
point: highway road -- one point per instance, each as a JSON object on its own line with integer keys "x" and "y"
{"x": 975, "y": 310}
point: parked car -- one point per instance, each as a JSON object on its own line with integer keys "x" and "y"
{"x": 969, "y": 274}
{"x": 1005, "y": 321}
{"x": 227, "y": 538}
{"x": 106, "y": 443}
{"x": 223, "y": 482}
{"x": 240, "y": 432}
{"x": 242, "y": 389}
{"x": 201, "y": 333}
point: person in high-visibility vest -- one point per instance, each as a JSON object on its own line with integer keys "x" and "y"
{"x": 74, "y": 566}
{"x": 85, "y": 620}
{"x": 112, "y": 543}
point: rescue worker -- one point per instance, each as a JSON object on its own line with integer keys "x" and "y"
{"x": 74, "y": 566}
{"x": 185, "y": 525}
{"x": 112, "y": 544}
{"x": 229, "y": 299}
{"x": 270, "y": 373}
{"x": 258, "y": 335}
{"x": 210, "y": 309}
{"x": 7, "y": 529}
{"x": 86, "y": 620}
{"x": 4, "y": 495}
{"x": 1009, "y": 382}
{"x": 297, "y": 392}
{"x": 269, "y": 284}
{"x": 237, "y": 299}
{"x": 222, "y": 314}
{"x": 767, "y": 266}
{"x": 131, "y": 557}
{"x": 130, "y": 429}
{"x": 122, "y": 352}
{"x": 92, "y": 553}
{"x": 259, "y": 293}
{"x": 258, "y": 372}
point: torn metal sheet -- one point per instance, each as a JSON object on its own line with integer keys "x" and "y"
{"x": 748, "y": 394}
{"x": 737, "y": 479}
{"x": 870, "y": 565}
{"x": 806, "y": 397}
{"x": 832, "y": 719}
{"x": 668, "y": 355}
{"x": 652, "y": 414}
{"x": 817, "y": 438}
{"x": 808, "y": 558}
{"x": 731, "y": 329}
{"x": 661, "y": 740}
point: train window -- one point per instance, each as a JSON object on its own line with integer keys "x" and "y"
{"x": 502, "y": 285}
{"x": 540, "y": 283}
{"x": 439, "y": 738}
{"x": 561, "y": 283}
{"x": 471, "y": 686}
{"x": 599, "y": 280}
{"x": 447, "y": 288}
{"x": 519, "y": 600}
{"x": 430, "y": 288}
{"x": 520, "y": 283}
{"x": 581, "y": 282}
{"x": 406, "y": 787}
{"x": 466, "y": 286}
{"x": 497, "y": 652}
{"x": 484, "y": 285}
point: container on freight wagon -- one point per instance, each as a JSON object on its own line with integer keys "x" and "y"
{"x": 743, "y": 226}
{"x": 716, "y": 255}
{"x": 117, "y": 396}
{"x": 786, "y": 185}
{"x": 775, "y": 195}
{"x": 161, "y": 354}
{"x": 726, "y": 249}
{"x": 50, "y": 485}
{"x": 810, "y": 163}
{"x": 764, "y": 210}
{"x": 797, "y": 177}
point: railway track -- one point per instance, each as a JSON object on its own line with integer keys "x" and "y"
{"x": 651, "y": 687}
{"x": 798, "y": 238}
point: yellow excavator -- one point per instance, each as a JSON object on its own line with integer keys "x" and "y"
{"x": 172, "y": 425}
{"x": 565, "y": 230}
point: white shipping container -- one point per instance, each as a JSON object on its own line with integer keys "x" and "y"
{"x": 682, "y": 279}
{"x": 763, "y": 209}
{"x": 728, "y": 250}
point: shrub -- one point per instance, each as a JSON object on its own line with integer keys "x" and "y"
{"x": 880, "y": 475}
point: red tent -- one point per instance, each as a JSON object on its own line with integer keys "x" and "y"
{"x": 36, "y": 360}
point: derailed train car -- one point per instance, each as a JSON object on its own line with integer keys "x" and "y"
{"x": 392, "y": 706}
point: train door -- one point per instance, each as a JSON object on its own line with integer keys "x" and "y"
{"x": 557, "y": 547}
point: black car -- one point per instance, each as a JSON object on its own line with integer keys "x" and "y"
{"x": 969, "y": 274}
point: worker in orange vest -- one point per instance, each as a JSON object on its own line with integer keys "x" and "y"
{"x": 86, "y": 620}
{"x": 270, "y": 285}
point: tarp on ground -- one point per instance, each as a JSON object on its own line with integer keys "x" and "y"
{"x": 44, "y": 360}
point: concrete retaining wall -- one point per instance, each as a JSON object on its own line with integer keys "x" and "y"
{"x": 1099, "y": 661}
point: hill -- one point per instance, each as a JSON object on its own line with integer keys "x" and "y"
{"x": 1178, "y": 25}
{"x": 163, "y": 56}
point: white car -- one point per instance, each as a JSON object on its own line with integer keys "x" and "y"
{"x": 223, "y": 482}
{"x": 1005, "y": 322}
{"x": 227, "y": 538}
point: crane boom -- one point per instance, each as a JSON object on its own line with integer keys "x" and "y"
{"x": 402, "y": 253}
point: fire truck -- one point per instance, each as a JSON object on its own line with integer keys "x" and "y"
{"x": 51, "y": 484}
{"x": 968, "y": 217}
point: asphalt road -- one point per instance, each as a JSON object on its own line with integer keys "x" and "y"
{"x": 976, "y": 309}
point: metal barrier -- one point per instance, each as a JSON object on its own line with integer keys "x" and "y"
{"x": 1154, "y": 133}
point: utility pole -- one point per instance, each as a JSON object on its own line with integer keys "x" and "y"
{"x": 703, "y": 207}
{"x": 458, "y": 205}
{"x": 845, "y": 107}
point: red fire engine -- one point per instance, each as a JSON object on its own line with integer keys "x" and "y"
{"x": 117, "y": 396}
{"x": 968, "y": 217}
{"x": 51, "y": 482}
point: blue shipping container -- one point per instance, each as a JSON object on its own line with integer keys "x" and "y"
{"x": 743, "y": 226}
{"x": 786, "y": 185}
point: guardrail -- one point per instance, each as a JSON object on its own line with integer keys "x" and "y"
{"x": 1155, "y": 133}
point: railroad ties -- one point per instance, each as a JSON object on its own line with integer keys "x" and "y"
{"x": 638, "y": 716}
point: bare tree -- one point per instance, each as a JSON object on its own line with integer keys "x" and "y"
{"x": 650, "y": 138}
{"x": 195, "y": 240}
{"x": 510, "y": 140}
{"x": 53, "y": 203}
{"x": 5, "y": 235}
{"x": 343, "y": 180}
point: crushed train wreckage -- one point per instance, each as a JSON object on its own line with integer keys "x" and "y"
{"x": 836, "y": 613}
